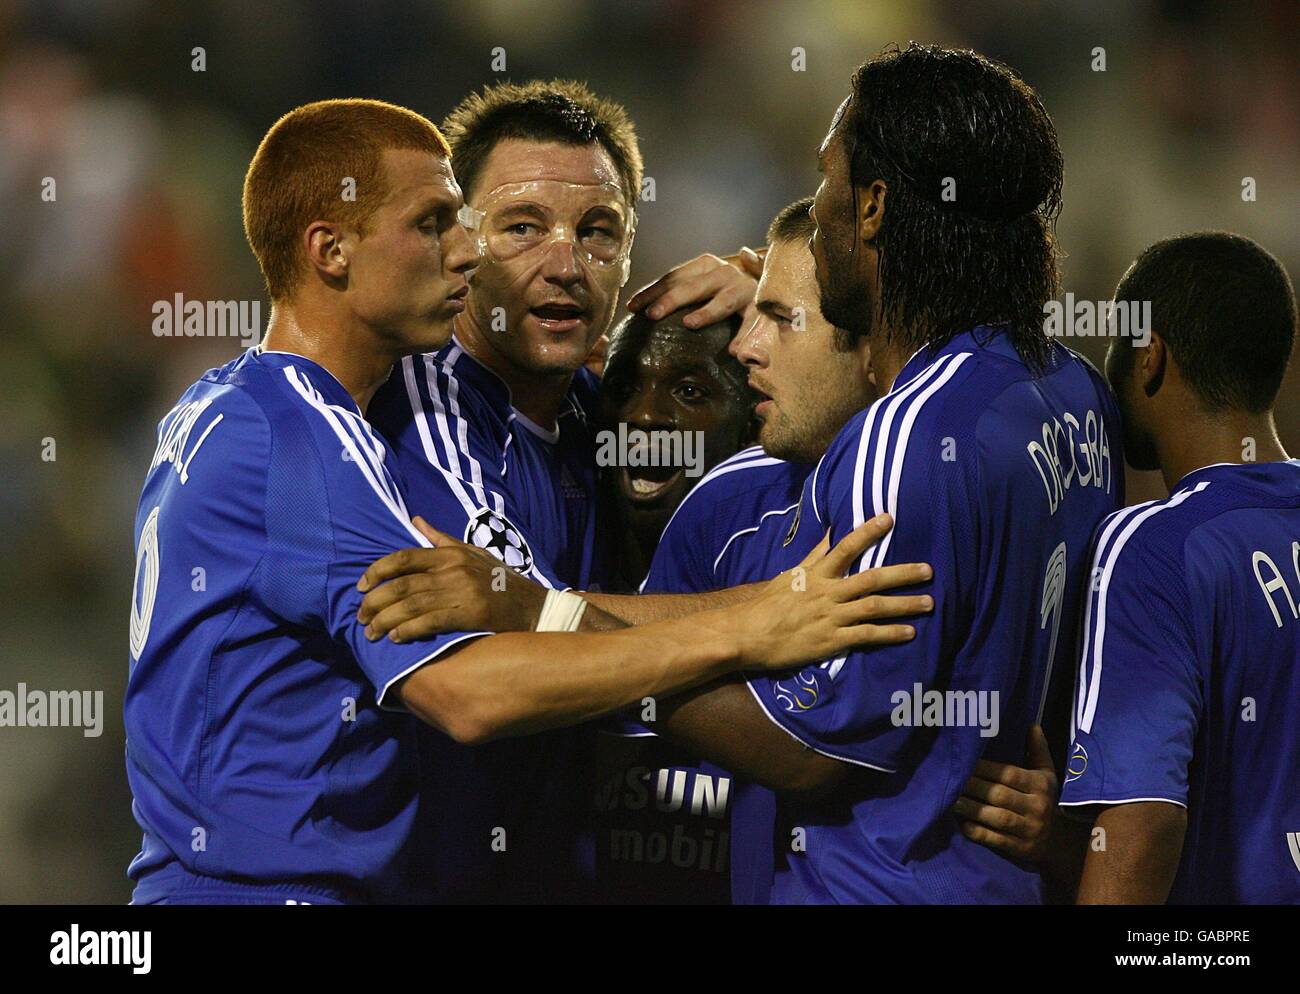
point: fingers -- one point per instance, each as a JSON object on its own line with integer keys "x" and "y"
{"x": 722, "y": 289}
{"x": 884, "y": 578}
{"x": 815, "y": 556}
{"x": 1015, "y": 777}
{"x": 751, "y": 263}
{"x": 418, "y": 605}
{"x": 732, "y": 297}
{"x": 1040, "y": 755}
{"x": 851, "y": 546}
{"x": 432, "y": 534}
{"x": 399, "y": 563}
{"x": 426, "y": 626}
{"x": 1005, "y": 844}
{"x": 990, "y": 816}
{"x": 998, "y": 795}
{"x": 860, "y": 635}
{"x": 650, "y": 293}
{"x": 390, "y": 593}
{"x": 689, "y": 289}
{"x": 878, "y": 608}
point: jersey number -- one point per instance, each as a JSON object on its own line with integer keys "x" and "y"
{"x": 1049, "y": 609}
{"x": 145, "y": 589}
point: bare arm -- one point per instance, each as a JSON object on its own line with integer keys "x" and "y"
{"x": 642, "y": 609}
{"x": 724, "y": 723}
{"x": 517, "y": 683}
{"x": 1136, "y": 859}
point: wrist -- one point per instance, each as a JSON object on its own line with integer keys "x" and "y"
{"x": 728, "y": 642}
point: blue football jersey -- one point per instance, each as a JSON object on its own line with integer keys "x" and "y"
{"x": 257, "y": 748}
{"x": 507, "y": 820}
{"x": 997, "y": 477}
{"x": 1189, "y": 677}
{"x": 676, "y": 828}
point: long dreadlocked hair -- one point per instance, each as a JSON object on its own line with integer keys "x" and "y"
{"x": 974, "y": 172}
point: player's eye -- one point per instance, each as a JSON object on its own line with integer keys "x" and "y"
{"x": 523, "y": 229}
{"x": 691, "y": 393}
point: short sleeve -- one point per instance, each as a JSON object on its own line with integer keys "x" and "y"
{"x": 332, "y": 508}
{"x": 846, "y": 707}
{"x": 1138, "y": 691}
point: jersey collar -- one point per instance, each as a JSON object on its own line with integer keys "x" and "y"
{"x": 1238, "y": 469}
{"x": 992, "y": 338}
{"x": 322, "y": 379}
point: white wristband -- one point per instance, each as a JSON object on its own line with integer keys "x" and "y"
{"x": 562, "y": 612}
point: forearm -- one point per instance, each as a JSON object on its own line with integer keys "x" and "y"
{"x": 723, "y": 723}
{"x": 1135, "y": 857}
{"x": 643, "y": 609}
{"x": 520, "y": 683}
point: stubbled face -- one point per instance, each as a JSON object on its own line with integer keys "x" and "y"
{"x": 1121, "y": 366}
{"x": 543, "y": 311}
{"x": 842, "y": 270}
{"x": 808, "y": 390}
{"x": 672, "y": 378}
{"x": 406, "y": 275}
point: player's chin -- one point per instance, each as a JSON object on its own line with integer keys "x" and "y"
{"x": 434, "y": 332}
{"x": 558, "y": 345}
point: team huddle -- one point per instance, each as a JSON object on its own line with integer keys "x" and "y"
{"x": 810, "y": 580}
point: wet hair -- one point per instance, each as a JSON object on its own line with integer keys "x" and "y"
{"x": 793, "y": 223}
{"x": 635, "y": 330}
{"x": 1227, "y": 310}
{"x": 974, "y": 172}
{"x": 556, "y": 110}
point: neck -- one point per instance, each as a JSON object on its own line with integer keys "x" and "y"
{"x": 333, "y": 341}
{"x": 1205, "y": 439}
{"x": 887, "y": 360}
{"x": 537, "y": 396}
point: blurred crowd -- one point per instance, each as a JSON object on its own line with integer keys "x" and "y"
{"x": 147, "y": 152}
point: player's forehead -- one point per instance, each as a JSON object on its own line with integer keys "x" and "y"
{"x": 669, "y": 350}
{"x": 789, "y": 276}
{"x": 414, "y": 176}
{"x": 548, "y": 166}
{"x": 834, "y": 132}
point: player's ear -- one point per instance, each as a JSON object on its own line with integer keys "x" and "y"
{"x": 326, "y": 250}
{"x": 871, "y": 209}
{"x": 1151, "y": 363}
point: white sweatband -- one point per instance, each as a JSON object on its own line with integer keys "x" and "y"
{"x": 562, "y": 612}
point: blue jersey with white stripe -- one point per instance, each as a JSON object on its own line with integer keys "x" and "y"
{"x": 1189, "y": 677}
{"x": 997, "y": 478}
{"x": 508, "y": 820}
{"x": 257, "y": 751}
{"x": 676, "y": 828}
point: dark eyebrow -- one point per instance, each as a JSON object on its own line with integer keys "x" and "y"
{"x": 773, "y": 308}
{"x": 526, "y": 208}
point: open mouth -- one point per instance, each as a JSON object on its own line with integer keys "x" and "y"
{"x": 648, "y": 484}
{"x": 763, "y": 401}
{"x": 558, "y": 318}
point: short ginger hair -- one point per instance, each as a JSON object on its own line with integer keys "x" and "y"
{"x": 300, "y": 171}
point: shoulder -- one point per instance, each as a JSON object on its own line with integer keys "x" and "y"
{"x": 747, "y": 482}
{"x": 1149, "y": 540}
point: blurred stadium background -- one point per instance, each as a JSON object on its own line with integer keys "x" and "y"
{"x": 149, "y": 157}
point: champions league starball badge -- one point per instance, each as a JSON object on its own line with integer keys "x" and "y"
{"x": 494, "y": 532}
